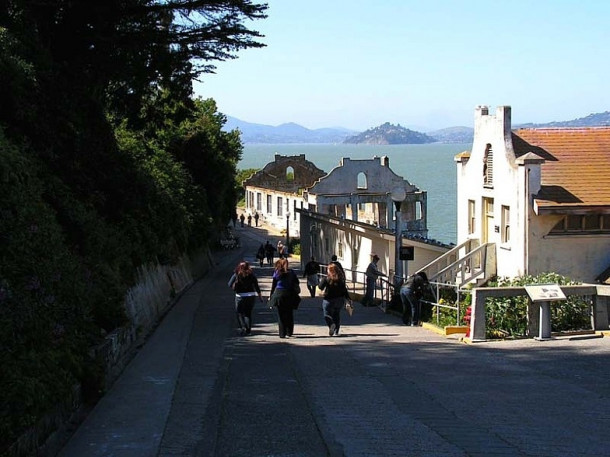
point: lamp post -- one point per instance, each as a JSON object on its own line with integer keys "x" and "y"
{"x": 398, "y": 195}
{"x": 287, "y": 231}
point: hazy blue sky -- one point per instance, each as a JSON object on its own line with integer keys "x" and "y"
{"x": 420, "y": 63}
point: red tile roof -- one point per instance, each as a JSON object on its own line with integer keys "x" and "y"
{"x": 576, "y": 171}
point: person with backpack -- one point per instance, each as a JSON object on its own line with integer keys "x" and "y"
{"x": 285, "y": 290}
{"x": 245, "y": 285}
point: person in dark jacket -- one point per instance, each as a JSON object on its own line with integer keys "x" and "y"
{"x": 269, "y": 252}
{"x": 245, "y": 285}
{"x": 335, "y": 296}
{"x": 372, "y": 273}
{"x": 285, "y": 297}
{"x": 261, "y": 254}
{"x": 410, "y": 294}
{"x": 312, "y": 269}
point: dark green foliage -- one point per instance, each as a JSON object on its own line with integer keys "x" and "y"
{"x": 508, "y": 316}
{"x": 106, "y": 164}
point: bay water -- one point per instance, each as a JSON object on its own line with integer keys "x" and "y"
{"x": 428, "y": 166}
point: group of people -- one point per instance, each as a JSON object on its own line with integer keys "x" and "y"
{"x": 242, "y": 219}
{"x": 285, "y": 294}
{"x": 267, "y": 252}
{"x": 286, "y": 290}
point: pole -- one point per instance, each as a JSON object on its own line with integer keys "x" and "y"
{"x": 287, "y": 232}
{"x": 398, "y": 243}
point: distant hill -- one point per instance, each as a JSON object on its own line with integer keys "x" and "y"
{"x": 592, "y": 120}
{"x": 286, "y": 133}
{"x": 389, "y": 134}
{"x": 453, "y": 135}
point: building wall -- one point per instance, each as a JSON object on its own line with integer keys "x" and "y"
{"x": 272, "y": 214}
{"x": 506, "y": 191}
{"x": 530, "y": 250}
{"x": 353, "y": 242}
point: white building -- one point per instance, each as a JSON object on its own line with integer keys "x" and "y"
{"x": 276, "y": 191}
{"x": 540, "y": 197}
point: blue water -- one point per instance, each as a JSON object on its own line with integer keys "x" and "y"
{"x": 429, "y": 166}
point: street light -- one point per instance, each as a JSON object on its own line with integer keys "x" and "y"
{"x": 398, "y": 195}
{"x": 287, "y": 231}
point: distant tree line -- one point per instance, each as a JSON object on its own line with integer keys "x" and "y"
{"x": 107, "y": 163}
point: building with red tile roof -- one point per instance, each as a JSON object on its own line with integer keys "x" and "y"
{"x": 541, "y": 197}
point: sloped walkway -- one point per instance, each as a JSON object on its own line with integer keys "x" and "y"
{"x": 197, "y": 388}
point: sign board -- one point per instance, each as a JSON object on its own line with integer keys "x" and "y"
{"x": 407, "y": 253}
{"x": 545, "y": 292}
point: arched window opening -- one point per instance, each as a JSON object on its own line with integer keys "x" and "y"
{"x": 488, "y": 166}
{"x": 362, "y": 183}
{"x": 289, "y": 174}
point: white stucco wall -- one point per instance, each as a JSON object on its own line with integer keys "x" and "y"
{"x": 270, "y": 215}
{"x": 508, "y": 190}
{"x": 515, "y": 181}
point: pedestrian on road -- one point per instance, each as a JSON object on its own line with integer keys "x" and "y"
{"x": 242, "y": 218}
{"x": 256, "y": 216}
{"x": 411, "y": 294}
{"x": 335, "y": 296}
{"x": 260, "y": 254}
{"x": 372, "y": 273}
{"x": 249, "y": 220}
{"x": 285, "y": 297}
{"x": 245, "y": 285}
{"x": 334, "y": 260}
{"x": 312, "y": 269}
{"x": 280, "y": 249}
{"x": 269, "y": 250}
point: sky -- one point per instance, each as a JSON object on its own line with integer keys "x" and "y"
{"x": 423, "y": 64}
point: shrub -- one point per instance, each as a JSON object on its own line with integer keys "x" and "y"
{"x": 507, "y": 317}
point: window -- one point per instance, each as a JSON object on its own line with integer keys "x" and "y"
{"x": 488, "y": 166}
{"x": 269, "y": 205}
{"x": 280, "y": 208}
{"x": 362, "y": 182}
{"x": 259, "y": 201}
{"x": 505, "y": 235}
{"x": 575, "y": 224}
{"x": 340, "y": 250}
{"x": 289, "y": 174}
{"x": 471, "y": 217}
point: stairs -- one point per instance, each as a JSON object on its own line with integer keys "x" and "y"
{"x": 467, "y": 263}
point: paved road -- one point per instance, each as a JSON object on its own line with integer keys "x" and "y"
{"x": 197, "y": 388}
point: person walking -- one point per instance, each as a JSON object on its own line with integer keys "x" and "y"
{"x": 372, "y": 273}
{"x": 333, "y": 259}
{"x": 242, "y": 218}
{"x": 285, "y": 297}
{"x": 269, "y": 250}
{"x": 256, "y": 216}
{"x": 335, "y": 296}
{"x": 312, "y": 269}
{"x": 410, "y": 294}
{"x": 249, "y": 220}
{"x": 260, "y": 254}
{"x": 280, "y": 249}
{"x": 245, "y": 285}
